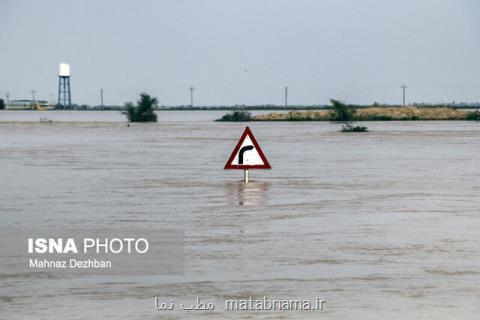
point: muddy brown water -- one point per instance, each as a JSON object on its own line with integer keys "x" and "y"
{"x": 382, "y": 225}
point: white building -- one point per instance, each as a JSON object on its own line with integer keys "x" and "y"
{"x": 29, "y": 105}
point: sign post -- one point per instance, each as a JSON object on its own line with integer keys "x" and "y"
{"x": 247, "y": 155}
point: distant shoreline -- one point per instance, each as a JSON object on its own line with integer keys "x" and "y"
{"x": 260, "y": 107}
{"x": 253, "y": 108}
{"x": 377, "y": 114}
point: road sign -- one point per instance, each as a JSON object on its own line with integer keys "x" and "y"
{"x": 247, "y": 154}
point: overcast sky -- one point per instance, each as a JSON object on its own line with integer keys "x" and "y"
{"x": 244, "y": 51}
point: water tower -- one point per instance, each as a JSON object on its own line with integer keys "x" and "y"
{"x": 64, "y": 93}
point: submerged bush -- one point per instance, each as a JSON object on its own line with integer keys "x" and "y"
{"x": 236, "y": 116}
{"x": 348, "y": 127}
{"x": 143, "y": 111}
{"x": 345, "y": 113}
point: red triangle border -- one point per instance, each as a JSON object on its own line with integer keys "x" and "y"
{"x": 229, "y": 165}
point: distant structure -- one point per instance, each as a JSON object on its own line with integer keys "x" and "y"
{"x": 403, "y": 87}
{"x": 101, "y": 98}
{"x": 191, "y": 95}
{"x": 29, "y": 105}
{"x": 64, "y": 91}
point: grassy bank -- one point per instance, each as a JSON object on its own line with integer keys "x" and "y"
{"x": 375, "y": 114}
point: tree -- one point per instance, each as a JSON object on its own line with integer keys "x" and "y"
{"x": 345, "y": 113}
{"x": 342, "y": 111}
{"x": 2, "y": 104}
{"x": 143, "y": 111}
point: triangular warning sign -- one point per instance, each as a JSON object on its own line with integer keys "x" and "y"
{"x": 247, "y": 154}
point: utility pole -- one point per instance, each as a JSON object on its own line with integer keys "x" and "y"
{"x": 403, "y": 87}
{"x": 33, "y": 97}
{"x": 191, "y": 95}
{"x": 8, "y": 99}
{"x": 286, "y": 97}
{"x": 101, "y": 98}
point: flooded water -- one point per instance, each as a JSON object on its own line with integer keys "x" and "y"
{"x": 382, "y": 225}
{"x": 108, "y": 116}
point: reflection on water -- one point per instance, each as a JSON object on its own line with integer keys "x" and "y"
{"x": 254, "y": 193}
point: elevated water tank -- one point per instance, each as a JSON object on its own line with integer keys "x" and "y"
{"x": 64, "y": 70}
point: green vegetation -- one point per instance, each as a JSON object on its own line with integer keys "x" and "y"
{"x": 474, "y": 115}
{"x": 143, "y": 111}
{"x": 2, "y": 104}
{"x": 236, "y": 116}
{"x": 342, "y": 111}
{"x": 348, "y": 127}
{"x": 345, "y": 113}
